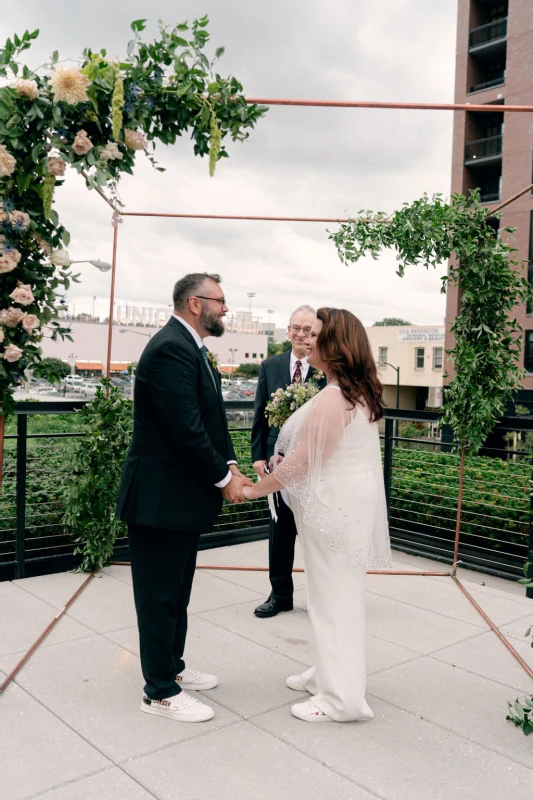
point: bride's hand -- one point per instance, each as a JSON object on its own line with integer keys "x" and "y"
{"x": 248, "y": 492}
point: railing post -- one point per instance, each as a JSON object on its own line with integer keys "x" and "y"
{"x": 22, "y": 429}
{"x": 387, "y": 461}
{"x": 529, "y": 590}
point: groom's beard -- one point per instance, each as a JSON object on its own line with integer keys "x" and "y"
{"x": 211, "y": 323}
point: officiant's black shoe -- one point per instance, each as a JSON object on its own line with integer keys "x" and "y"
{"x": 273, "y": 606}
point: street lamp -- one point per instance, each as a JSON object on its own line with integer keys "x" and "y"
{"x": 250, "y": 295}
{"x": 397, "y": 369}
{"x": 72, "y": 359}
{"x": 103, "y": 266}
{"x": 269, "y": 312}
{"x": 233, "y": 350}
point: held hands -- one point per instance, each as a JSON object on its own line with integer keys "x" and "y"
{"x": 233, "y": 491}
{"x": 259, "y": 467}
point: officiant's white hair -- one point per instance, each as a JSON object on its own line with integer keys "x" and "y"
{"x": 305, "y": 309}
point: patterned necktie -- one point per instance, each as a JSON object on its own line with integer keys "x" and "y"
{"x": 204, "y": 352}
{"x": 297, "y": 377}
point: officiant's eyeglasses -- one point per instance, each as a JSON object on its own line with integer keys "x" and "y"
{"x": 297, "y": 329}
{"x": 221, "y": 300}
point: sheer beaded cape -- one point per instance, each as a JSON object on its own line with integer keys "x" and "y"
{"x": 333, "y": 474}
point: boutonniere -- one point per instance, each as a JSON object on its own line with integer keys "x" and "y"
{"x": 317, "y": 376}
{"x": 213, "y": 360}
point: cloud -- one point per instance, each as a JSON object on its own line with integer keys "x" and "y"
{"x": 298, "y": 161}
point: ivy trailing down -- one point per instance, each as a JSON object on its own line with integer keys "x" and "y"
{"x": 487, "y": 344}
{"x": 92, "y": 116}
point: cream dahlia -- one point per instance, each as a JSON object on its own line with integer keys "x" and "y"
{"x": 7, "y": 162}
{"x": 26, "y": 88}
{"x": 135, "y": 140}
{"x": 68, "y": 84}
{"x": 11, "y": 316}
{"x": 60, "y": 258}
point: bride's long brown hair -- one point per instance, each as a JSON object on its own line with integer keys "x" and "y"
{"x": 344, "y": 346}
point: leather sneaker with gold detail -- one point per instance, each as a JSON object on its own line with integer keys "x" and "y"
{"x": 190, "y": 679}
{"x": 181, "y": 707}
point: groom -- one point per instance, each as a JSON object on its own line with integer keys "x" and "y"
{"x": 180, "y": 465}
{"x": 275, "y": 373}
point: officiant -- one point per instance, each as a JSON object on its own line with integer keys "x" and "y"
{"x": 275, "y": 373}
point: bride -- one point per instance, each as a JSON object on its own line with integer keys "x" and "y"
{"x": 331, "y": 470}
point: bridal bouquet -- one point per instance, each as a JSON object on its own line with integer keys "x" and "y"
{"x": 286, "y": 401}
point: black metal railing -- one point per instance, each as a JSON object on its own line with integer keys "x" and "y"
{"x": 478, "y": 87}
{"x": 479, "y": 149}
{"x": 421, "y": 480}
{"x": 488, "y": 33}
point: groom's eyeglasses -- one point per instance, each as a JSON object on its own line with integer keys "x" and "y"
{"x": 221, "y": 300}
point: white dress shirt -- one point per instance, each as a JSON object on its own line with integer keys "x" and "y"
{"x": 304, "y": 368}
{"x": 200, "y": 342}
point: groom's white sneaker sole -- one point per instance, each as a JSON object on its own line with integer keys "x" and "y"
{"x": 295, "y": 682}
{"x": 181, "y": 708}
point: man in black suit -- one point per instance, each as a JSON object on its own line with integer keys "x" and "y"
{"x": 180, "y": 465}
{"x": 275, "y": 373}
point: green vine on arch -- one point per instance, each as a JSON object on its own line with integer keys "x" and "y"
{"x": 487, "y": 347}
{"x": 92, "y": 116}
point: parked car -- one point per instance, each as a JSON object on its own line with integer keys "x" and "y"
{"x": 72, "y": 380}
{"x": 87, "y": 389}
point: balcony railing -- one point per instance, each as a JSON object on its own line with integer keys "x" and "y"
{"x": 479, "y": 149}
{"x": 488, "y": 33}
{"x": 489, "y": 196}
{"x": 478, "y": 87}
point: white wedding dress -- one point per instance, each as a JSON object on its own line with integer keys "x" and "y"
{"x": 333, "y": 475}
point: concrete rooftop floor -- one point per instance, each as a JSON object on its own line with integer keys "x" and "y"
{"x": 439, "y": 681}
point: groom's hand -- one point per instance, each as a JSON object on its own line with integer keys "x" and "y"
{"x": 232, "y": 491}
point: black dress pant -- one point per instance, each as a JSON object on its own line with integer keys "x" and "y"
{"x": 162, "y": 567}
{"x": 281, "y": 551}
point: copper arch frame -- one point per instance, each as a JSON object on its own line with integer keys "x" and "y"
{"x": 117, "y": 213}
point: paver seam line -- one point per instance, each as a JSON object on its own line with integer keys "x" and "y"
{"x": 233, "y": 583}
{"x": 98, "y": 750}
{"x": 405, "y": 711}
{"x": 476, "y": 674}
{"x": 58, "y": 608}
{"x": 421, "y": 653}
{"x": 252, "y": 641}
{"x": 462, "y": 736}
{"x": 49, "y": 644}
{"x": 320, "y": 761}
{"x": 76, "y": 780}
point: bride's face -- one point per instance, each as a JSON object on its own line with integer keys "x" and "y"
{"x": 313, "y": 357}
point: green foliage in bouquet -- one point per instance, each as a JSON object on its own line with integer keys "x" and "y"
{"x": 286, "y": 401}
{"x": 93, "y": 116}
{"x": 91, "y": 496}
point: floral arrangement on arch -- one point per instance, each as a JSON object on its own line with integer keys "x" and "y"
{"x": 93, "y": 116}
{"x": 286, "y": 401}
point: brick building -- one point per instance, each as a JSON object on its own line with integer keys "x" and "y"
{"x": 493, "y": 151}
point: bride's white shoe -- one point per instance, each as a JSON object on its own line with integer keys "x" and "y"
{"x": 295, "y": 682}
{"x": 309, "y": 712}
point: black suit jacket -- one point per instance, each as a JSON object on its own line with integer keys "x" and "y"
{"x": 274, "y": 374}
{"x": 181, "y": 443}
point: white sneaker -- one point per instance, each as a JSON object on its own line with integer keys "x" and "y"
{"x": 197, "y": 681}
{"x": 295, "y": 682}
{"x": 181, "y": 707}
{"x": 309, "y": 712}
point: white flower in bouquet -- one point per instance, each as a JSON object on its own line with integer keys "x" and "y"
{"x": 56, "y": 166}
{"x": 22, "y": 294}
{"x": 12, "y": 353}
{"x": 286, "y": 401}
{"x": 26, "y": 88}
{"x": 60, "y": 258}
{"x": 7, "y": 162}
{"x": 135, "y": 140}
{"x": 111, "y": 152}
{"x": 82, "y": 144}
{"x": 68, "y": 84}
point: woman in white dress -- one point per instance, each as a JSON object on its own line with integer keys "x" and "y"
{"x": 331, "y": 470}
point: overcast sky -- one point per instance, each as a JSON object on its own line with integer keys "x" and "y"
{"x": 298, "y": 161}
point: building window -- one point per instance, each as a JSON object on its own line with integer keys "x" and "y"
{"x": 247, "y": 355}
{"x": 254, "y": 355}
{"x": 383, "y": 355}
{"x": 437, "y": 358}
{"x": 261, "y": 355}
{"x": 419, "y": 358}
{"x": 528, "y": 351}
